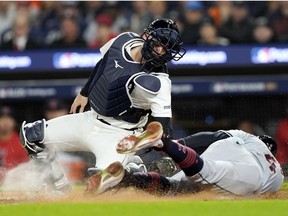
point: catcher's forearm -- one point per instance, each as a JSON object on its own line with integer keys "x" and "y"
{"x": 167, "y": 128}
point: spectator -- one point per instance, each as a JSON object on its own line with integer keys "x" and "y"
{"x": 117, "y": 12}
{"x": 271, "y": 8}
{"x": 238, "y": 28}
{"x": 61, "y": 12}
{"x": 11, "y": 151}
{"x": 220, "y": 11}
{"x": 47, "y": 24}
{"x": 70, "y": 34}
{"x": 209, "y": 36}
{"x": 104, "y": 31}
{"x": 92, "y": 10}
{"x": 54, "y": 108}
{"x": 193, "y": 18}
{"x": 32, "y": 10}
{"x": 72, "y": 9}
{"x": 262, "y": 32}
{"x": 19, "y": 39}
{"x": 140, "y": 18}
{"x": 233, "y": 18}
{"x": 158, "y": 9}
{"x": 7, "y": 15}
{"x": 28, "y": 8}
{"x": 257, "y": 8}
{"x": 279, "y": 22}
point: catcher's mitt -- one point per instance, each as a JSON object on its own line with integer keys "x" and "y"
{"x": 164, "y": 166}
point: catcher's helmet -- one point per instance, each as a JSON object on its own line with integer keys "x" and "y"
{"x": 162, "y": 23}
{"x": 270, "y": 143}
{"x": 165, "y": 33}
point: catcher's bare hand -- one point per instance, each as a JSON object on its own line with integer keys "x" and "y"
{"x": 79, "y": 101}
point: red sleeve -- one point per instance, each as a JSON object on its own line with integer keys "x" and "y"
{"x": 16, "y": 154}
{"x": 282, "y": 141}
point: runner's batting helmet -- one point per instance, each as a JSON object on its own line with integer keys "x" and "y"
{"x": 270, "y": 143}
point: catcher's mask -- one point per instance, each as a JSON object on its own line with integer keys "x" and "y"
{"x": 164, "y": 33}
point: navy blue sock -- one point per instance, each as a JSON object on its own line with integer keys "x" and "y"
{"x": 186, "y": 158}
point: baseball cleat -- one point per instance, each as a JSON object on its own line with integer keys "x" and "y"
{"x": 107, "y": 178}
{"x": 151, "y": 137}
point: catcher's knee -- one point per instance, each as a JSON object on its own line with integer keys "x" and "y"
{"x": 32, "y": 136}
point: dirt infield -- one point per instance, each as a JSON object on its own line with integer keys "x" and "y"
{"x": 128, "y": 195}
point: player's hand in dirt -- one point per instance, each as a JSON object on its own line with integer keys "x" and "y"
{"x": 79, "y": 101}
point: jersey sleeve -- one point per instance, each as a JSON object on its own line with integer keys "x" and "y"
{"x": 241, "y": 134}
{"x": 161, "y": 103}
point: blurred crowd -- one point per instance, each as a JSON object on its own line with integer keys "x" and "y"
{"x": 89, "y": 24}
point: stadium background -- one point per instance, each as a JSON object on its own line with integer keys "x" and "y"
{"x": 194, "y": 109}
{"x": 254, "y": 73}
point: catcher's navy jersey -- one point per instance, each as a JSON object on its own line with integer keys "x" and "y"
{"x": 158, "y": 103}
{"x": 109, "y": 93}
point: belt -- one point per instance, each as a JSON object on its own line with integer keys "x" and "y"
{"x": 103, "y": 121}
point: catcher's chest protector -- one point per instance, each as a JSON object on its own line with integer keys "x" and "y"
{"x": 108, "y": 94}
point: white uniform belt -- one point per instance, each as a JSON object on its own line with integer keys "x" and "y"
{"x": 98, "y": 117}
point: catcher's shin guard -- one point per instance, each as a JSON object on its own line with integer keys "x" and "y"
{"x": 32, "y": 136}
{"x": 55, "y": 180}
